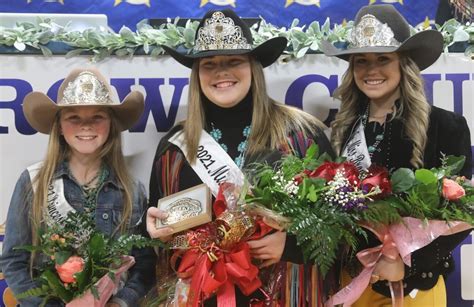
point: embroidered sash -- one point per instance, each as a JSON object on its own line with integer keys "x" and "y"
{"x": 213, "y": 165}
{"x": 355, "y": 150}
{"x": 57, "y": 207}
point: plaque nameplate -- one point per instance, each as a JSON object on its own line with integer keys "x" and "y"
{"x": 186, "y": 209}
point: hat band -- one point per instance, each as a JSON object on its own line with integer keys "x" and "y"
{"x": 220, "y": 33}
{"x": 370, "y": 32}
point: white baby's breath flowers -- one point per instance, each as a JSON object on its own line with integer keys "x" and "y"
{"x": 288, "y": 186}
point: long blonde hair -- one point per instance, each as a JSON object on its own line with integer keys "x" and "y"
{"x": 58, "y": 151}
{"x": 413, "y": 110}
{"x": 271, "y": 121}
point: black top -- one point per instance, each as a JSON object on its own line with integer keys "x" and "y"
{"x": 448, "y": 134}
{"x": 230, "y": 121}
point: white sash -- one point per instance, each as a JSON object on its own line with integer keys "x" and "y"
{"x": 213, "y": 165}
{"x": 58, "y": 207}
{"x": 356, "y": 150}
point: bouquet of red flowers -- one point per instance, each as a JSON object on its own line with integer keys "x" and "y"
{"x": 325, "y": 201}
{"x": 330, "y": 204}
{"x": 80, "y": 265}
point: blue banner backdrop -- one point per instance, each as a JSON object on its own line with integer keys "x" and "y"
{"x": 278, "y": 12}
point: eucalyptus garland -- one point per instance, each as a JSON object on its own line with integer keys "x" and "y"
{"x": 102, "y": 42}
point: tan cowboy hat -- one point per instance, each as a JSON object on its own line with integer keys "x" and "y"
{"x": 82, "y": 87}
{"x": 380, "y": 28}
{"x": 225, "y": 33}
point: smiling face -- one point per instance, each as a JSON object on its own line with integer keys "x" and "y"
{"x": 85, "y": 129}
{"x": 377, "y": 75}
{"x": 225, "y": 79}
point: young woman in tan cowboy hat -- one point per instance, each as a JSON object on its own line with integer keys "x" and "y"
{"x": 86, "y": 169}
{"x": 229, "y": 104}
{"x": 385, "y": 119}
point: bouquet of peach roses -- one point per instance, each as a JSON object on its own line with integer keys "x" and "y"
{"x": 81, "y": 265}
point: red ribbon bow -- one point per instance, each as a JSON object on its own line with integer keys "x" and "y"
{"x": 213, "y": 270}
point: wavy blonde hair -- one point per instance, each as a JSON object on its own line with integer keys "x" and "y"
{"x": 271, "y": 124}
{"x": 413, "y": 111}
{"x": 58, "y": 150}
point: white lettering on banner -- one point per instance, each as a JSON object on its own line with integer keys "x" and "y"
{"x": 307, "y": 83}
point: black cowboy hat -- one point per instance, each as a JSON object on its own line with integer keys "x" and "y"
{"x": 382, "y": 29}
{"x": 224, "y": 33}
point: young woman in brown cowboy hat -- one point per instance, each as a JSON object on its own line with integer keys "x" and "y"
{"x": 228, "y": 102}
{"x": 385, "y": 119}
{"x": 85, "y": 168}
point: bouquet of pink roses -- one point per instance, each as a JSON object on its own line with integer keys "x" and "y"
{"x": 81, "y": 265}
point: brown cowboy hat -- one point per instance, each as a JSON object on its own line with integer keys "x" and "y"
{"x": 224, "y": 33}
{"x": 381, "y": 28}
{"x": 82, "y": 87}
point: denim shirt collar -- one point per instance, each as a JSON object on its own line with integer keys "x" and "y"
{"x": 63, "y": 170}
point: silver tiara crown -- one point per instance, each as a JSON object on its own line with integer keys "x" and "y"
{"x": 220, "y": 32}
{"x": 86, "y": 89}
{"x": 370, "y": 32}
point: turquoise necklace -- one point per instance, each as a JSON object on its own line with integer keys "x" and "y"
{"x": 216, "y": 134}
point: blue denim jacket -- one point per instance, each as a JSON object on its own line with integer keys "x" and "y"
{"x": 15, "y": 263}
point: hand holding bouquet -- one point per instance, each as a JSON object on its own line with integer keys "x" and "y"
{"x": 80, "y": 263}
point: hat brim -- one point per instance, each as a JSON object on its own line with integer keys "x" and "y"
{"x": 266, "y": 53}
{"x": 40, "y": 111}
{"x": 424, "y": 48}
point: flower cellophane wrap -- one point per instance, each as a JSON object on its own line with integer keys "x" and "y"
{"x": 399, "y": 239}
{"x": 106, "y": 287}
{"x": 429, "y": 194}
{"x": 215, "y": 258}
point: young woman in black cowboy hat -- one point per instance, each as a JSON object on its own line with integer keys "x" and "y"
{"x": 229, "y": 103}
{"x": 385, "y": 119}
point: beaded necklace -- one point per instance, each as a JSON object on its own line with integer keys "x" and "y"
{"x": 89, "y": 190}
{"x": 216, "y": 134}
{"x": 378, "y": 138}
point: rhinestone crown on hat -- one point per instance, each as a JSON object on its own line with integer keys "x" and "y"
{"x": 86, "y": 89}
{"x": 370, "y": 32}
{"x": 220, "y": 32}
